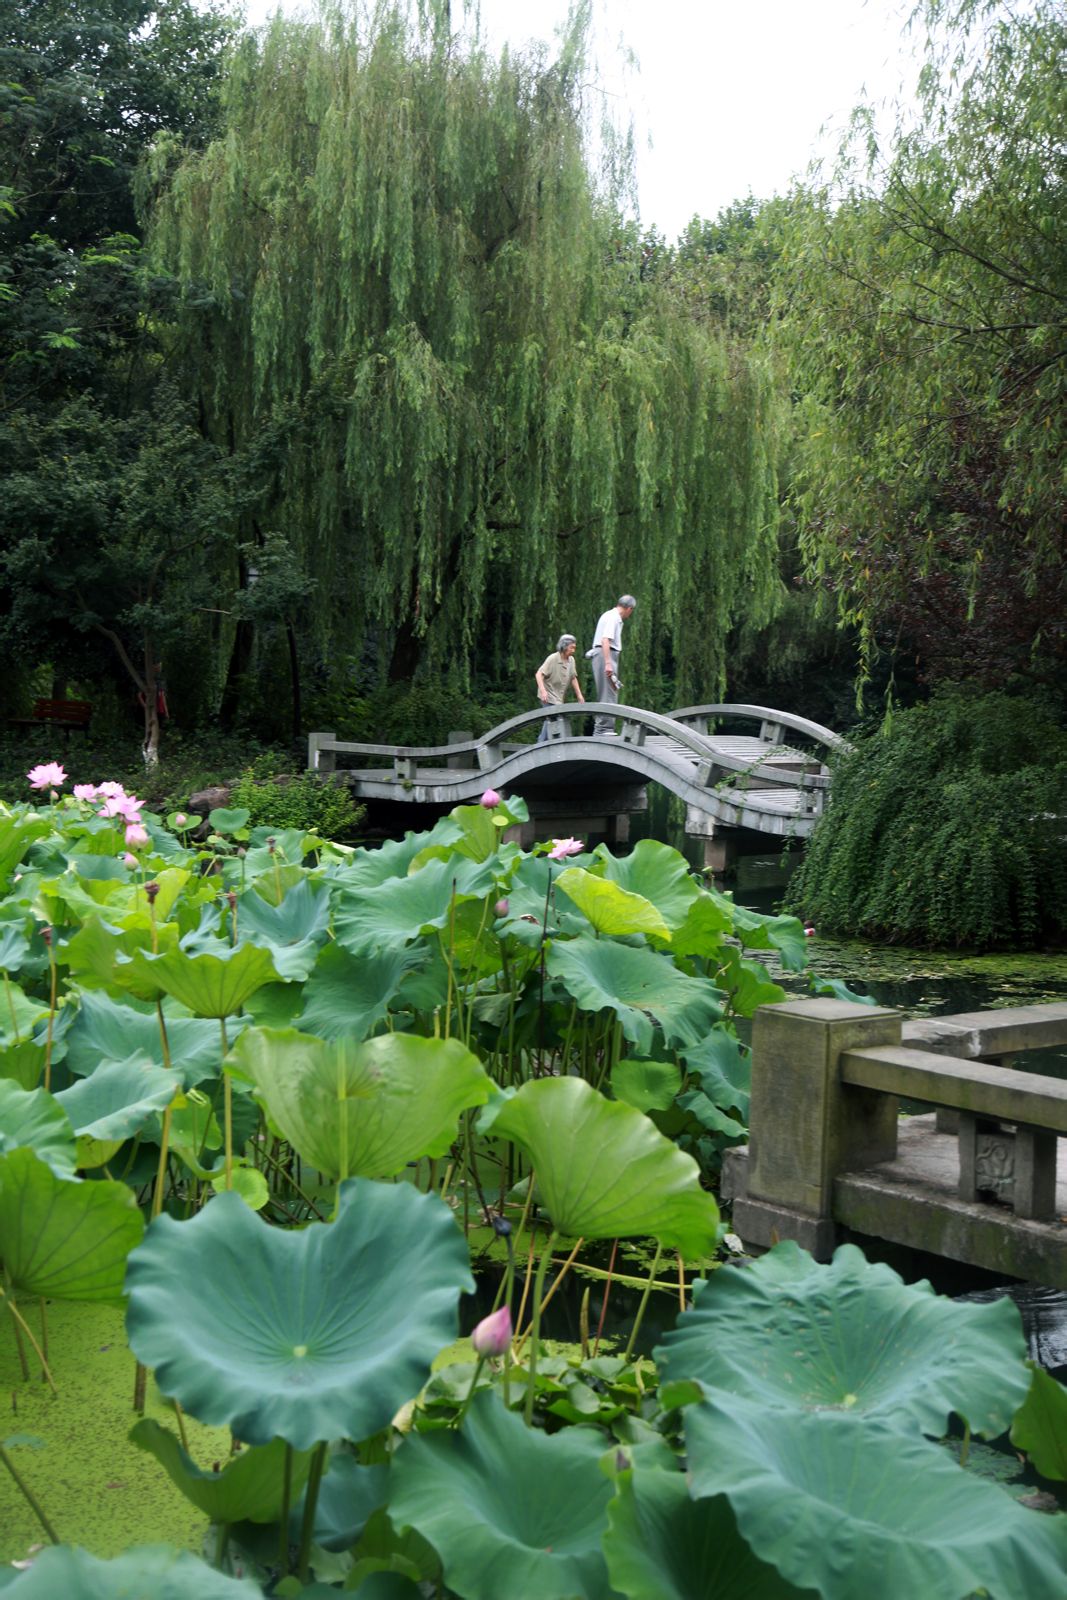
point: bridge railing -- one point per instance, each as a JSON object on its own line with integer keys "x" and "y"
{"x": 773, "y": 725}
{"x": 827, "y": 1080}
{"x": 636, "y": 725}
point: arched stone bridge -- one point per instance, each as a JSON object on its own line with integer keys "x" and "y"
{"x": 772, "y": 780}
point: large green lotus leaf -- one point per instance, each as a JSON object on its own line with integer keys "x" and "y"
{"x": 61, "y": 1238}
{"x": 467, "y": 831}
{"x": 663, "y": 1545}
{"x": 14, "y": 947}
{"x": 658, "y": 873}
{"x": 707, "y": 924}
{"x": 211, "y": 985}
{"x": 250, "y": 1487}
{"x": 23, "y": 1063}
{"x": 724, "y": 1068}
{"x": 851, "y": 1336}
{"x": 292, "y": 930}
{"x": 641, "y": 986}
{"x": 366, "y": 869}
{"x": 152, "y": 1572}
{"x": 116, "y": 1100}
{"x": 820, "y": 1495}
{"x": 747, "y": 983}
{"x": 402, "y": 908}
{"x": 610, "y": 908}
{"x": 350, "y": 995}
{"x": 349, "y": 1496}
{"x": 759, "y": 932}
{"x": 604, "y": 1171}
{"x": 112, "y": 1030}
{"x": 364, "y": 1109}
{"x": 646, "y": 1085}
{"x": 19, "y": 1012}
{"x": 100, "y": 954}
{"x": 31, "y": 1119}
{"x": 309, "y": 1335}
{"x": 16, "y": 835}
{"x": 509, "y": 1509}
{"x": 1040, "y": 1426}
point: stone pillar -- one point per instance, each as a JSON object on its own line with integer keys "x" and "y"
{"x": 322, "y": 761}
{"x": 805, "y": 1125}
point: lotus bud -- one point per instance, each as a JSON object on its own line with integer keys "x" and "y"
{"x": 180, "y": 819}
{"x": 270, "y": 843}
{"x": 231, "y": 899}
{"x": 492, "y": 1336}
{"x": 490, "y": 800}
{"x": 46, "y": 936}
{"x": 128, "y": 860}
{"x": 501, "y": 907}
{"x": 151, "y": 890}
{"x": 501, "y": 1226}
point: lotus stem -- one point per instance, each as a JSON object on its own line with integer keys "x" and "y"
{"x": 43, "y": 1304}
{"x": 140, "y": 1383}
{"x": 447, "y": 1179}
{"x": 474, "y": 1384}
{"x": 531, "y": 1377}
{"x": 607, "y": 1292}
{"x": 644, "y": 1302}
{"x": 11, "y": 1007}
{"x": 51, "y": 1012}
{"x": 223, "y": 1546}
{"x": 681, "y": 1281}
{"x": 227, "y": 1100}
{"x": 161, "y": 1170}
{"x": 965, "y": 1444}
{"x": 24, "y": 1327}
{"x": 280, "y": 1166}
{"x": 311, "y": 1501}
{"x": 179, "y": 1417}
{"x": 583, "y": 1325}
{"x": 564, "y": 1269}
{"x": 29, "y": 1496}
{"x": 283, "y": 1526}
{"x": 526, "y": 1279}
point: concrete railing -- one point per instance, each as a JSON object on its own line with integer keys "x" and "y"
{"x": 828, "y": 1149}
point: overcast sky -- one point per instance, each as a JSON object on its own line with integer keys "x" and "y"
{"x": 728, "y": 97}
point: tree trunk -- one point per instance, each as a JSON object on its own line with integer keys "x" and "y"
{"x": 294, "y": 682}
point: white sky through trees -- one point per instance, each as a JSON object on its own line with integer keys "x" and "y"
{"x": 727, "y": 97}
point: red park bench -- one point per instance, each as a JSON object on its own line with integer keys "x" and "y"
{"x": 65, "y": 714}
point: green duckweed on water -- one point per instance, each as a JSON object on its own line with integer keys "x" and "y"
{"x": 97, "y": 1489}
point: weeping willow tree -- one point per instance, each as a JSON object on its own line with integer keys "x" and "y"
{"x": 497, "y": 425}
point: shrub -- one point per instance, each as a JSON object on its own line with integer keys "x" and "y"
{"x": 946, "y": 828}
{"x": 302, "y": 801}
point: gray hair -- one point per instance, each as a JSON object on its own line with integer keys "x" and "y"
{"x": 564, "y": 640}
{"x": 626, "y": 600}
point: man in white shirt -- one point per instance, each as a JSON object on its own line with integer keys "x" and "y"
{"x": 607, "y": 645}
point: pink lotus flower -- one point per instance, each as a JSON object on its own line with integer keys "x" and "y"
{"x": 561, "y": 848}
{"x": 49, "y": 775}
{"x": 501, "y": 908}
{"x": 492, "y": 1336}
{"x": 490, "y": 800}
{"x": 136, "y": 836}
{"x": 122, "y": 805}
{"x": 180, "y": 819}
{"x": 85, "y": 791}
{"x": 110, "y": 788}
{"x": 128, "y": 860}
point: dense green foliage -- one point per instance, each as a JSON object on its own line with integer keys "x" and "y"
{"x": 295, "y": 800}
{"x": 946, "y": 828}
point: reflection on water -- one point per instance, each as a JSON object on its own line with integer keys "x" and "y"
{"x": 1044, "y": 1314}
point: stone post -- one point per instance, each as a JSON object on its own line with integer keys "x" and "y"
{"x": 321, "y": 761}
{"x": 805, "y": 1125}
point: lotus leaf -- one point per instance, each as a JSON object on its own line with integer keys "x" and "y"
{"x": 14, "y": 947}
{"x": 363, "y": 1109}
{"x": 117, "y": 1099}
{"x": 61, "y": 1238}
{"x": 707, "y": 923}
{"x": 228, "y": 819}
{"x": 366, "y": 869}
{"x": 402, "y": 908}
{"x": 350, "y": 995}
{"x": 758, "y": 932}
{"x": 31, "y": 1119}
{"x": 109, "y": 1030}
{"x": 604, "y": 1171}
{"x": 509, "y": 1509}
{"x": 747, "y": 982}
{"x": 724, "y": 1068}
{"x": 250, "y": 1487}
{"x": 210, "y": 985}
{"x": 19, "y": 1013}
{"x": 349, "y": 1495}
{"x": 646, "y": 1085}
{"x": 1040, "y": 1426}
{"x": 293, "y": 930}
{"x": 248, "y": 1182}
{"x": 696, "y": 1102}
{"x": 658, "y": 873}
{"x": 23, "y": 1063}
{"x": 820, "y": 1494}
{"x": 640, "y": 986}
{"x": 663, "y": 1545}
{"x": 610, "y": 908}
{"x": 305, "y": 1335}
{"x": 851, "y": 1336}
{"x": 103, "y": 955}
{"x": 152, "y": 1572}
